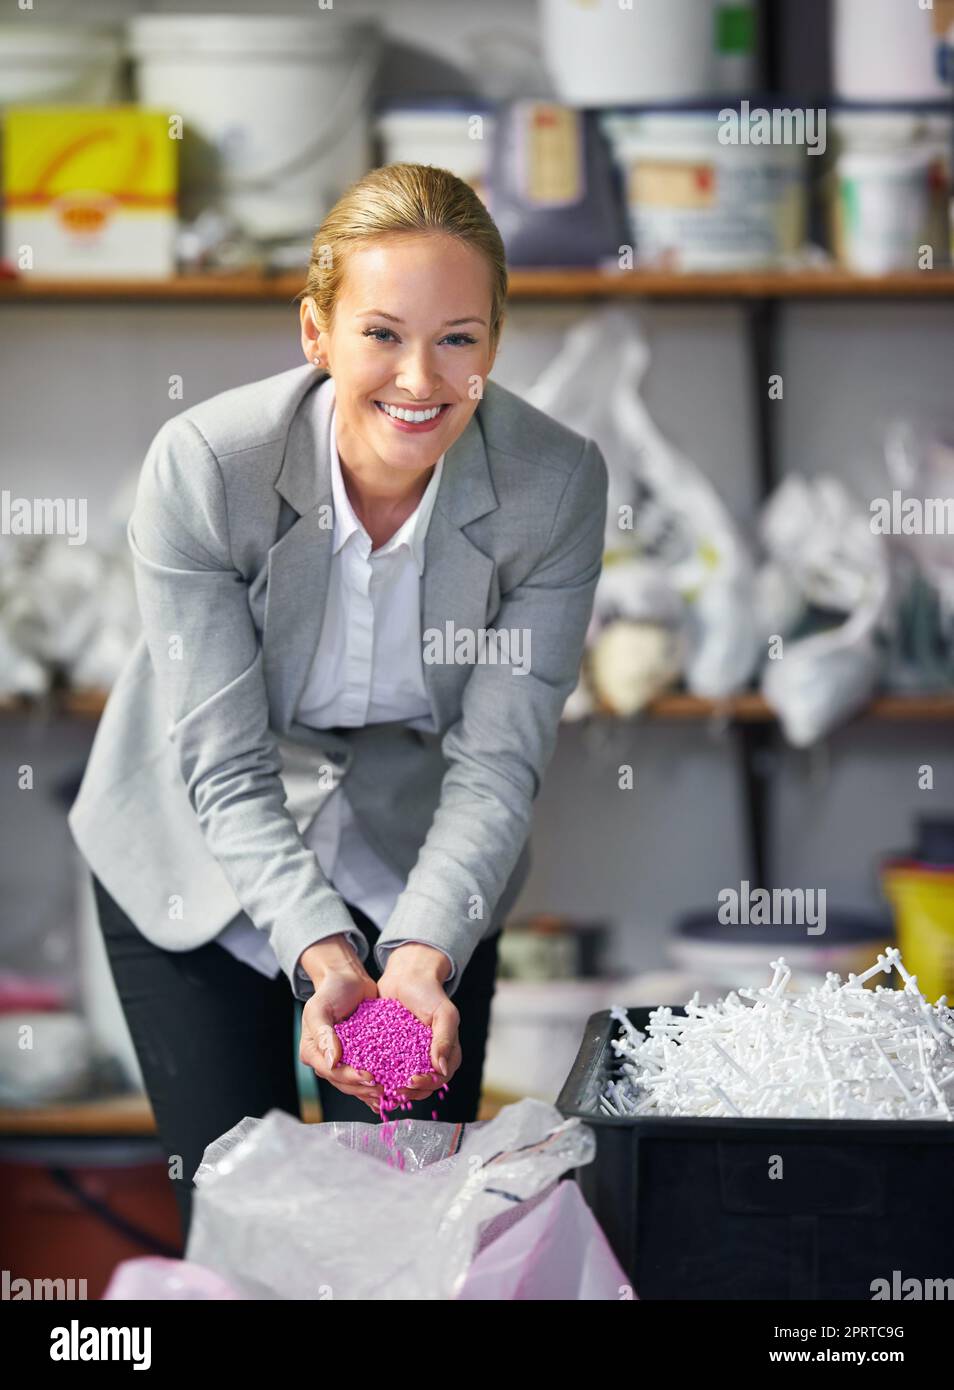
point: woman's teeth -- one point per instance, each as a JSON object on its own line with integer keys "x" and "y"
{"x": 412, "y": 417}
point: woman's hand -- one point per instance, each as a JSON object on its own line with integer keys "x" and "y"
{"x": 341, "y": 983}
{"x": 414, "y": 976}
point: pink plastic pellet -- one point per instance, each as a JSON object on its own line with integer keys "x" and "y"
{"x": 385, "y": 1039}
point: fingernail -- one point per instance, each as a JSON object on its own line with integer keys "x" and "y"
{"x": 442, "y": 1063}
{"x": 330, "y": 1057}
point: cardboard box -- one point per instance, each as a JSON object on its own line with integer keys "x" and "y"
{"x": 89, "y": 192}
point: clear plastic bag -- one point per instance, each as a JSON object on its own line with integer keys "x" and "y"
{"x": 547, "y": 1248}
{"x": 288, "y": 1210}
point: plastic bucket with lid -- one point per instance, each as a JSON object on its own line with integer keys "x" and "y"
{"x": 600, "y": 53}
{"x": 53, "y": 64}
{"x": 884, "y": 209}
{"x": 891, "y": 185}
{"x": 695, "y": 203}
{"x": 448, "y": 133}
{"x": 535, "y": 1032}
{"x": 887, "y": 50}
{"x": 275, "y": 110}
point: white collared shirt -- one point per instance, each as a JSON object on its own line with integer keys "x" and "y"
{"x": 367, "y": 669}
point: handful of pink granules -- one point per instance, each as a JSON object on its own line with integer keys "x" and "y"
{"x": 384, "y": 1038}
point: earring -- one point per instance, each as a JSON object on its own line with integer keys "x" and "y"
{"x": 317, "y": 361}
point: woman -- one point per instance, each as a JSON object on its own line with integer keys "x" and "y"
{"x": 364, "y": 586}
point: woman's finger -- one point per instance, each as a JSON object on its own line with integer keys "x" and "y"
{"x": 346, "y": 1078}
{"x": 361, "y": 1093}
{"x": 352, "y": 1077}
{"x": 421, "y": 1085}
{"x": 444, "y": 1044}
{"x": 356, "y": 1089}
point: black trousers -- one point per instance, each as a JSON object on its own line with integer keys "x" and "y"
{"x": 217, "y": 1040}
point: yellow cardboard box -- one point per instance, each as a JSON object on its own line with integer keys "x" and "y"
{"x": 89, "y": 191}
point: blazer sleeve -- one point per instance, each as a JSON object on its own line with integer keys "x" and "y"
{"x": 499, "y": 748}
{"x": 209, "y": 666}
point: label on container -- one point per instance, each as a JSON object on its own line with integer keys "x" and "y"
{"x": 660, "y": 184}
{"x": 551, "y": 155}
{"x": 884, "y": 221}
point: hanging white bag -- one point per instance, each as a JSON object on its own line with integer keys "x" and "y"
{"x": 687, "y": 564}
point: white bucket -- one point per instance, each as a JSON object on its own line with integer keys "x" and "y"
{"x": 861, "y": 225}
{"x": 884, "y": 200}
{"x": 887, "y": 50}
{"x": 535, "y": 1032}
{"x": 695, "y": 204}
{"x": 59, "y": 64}
{"x": 277, "y": 108}
{"x": 448, "y": 137}
{"x": 601, "y": 54}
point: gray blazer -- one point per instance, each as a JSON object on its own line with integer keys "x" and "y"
{"x": 184, "y": 810}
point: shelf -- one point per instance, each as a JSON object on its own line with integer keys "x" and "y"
{"x": 121, "y": 1116}
{"x": 747, "y": 708}
{"x": 547, "y": 284}
{"x": 751, "y": 708}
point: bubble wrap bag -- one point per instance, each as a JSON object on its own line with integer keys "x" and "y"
{"x": 301, "y": 1211}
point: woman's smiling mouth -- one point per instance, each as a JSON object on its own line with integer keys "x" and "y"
{"x": 411, "y": 420}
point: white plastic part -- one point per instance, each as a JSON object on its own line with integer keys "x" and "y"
{"x": 837, "y": 1051}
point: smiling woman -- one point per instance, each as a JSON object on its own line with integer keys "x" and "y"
{"x": 288, "y": 777}
{"x": 404, "y": 303}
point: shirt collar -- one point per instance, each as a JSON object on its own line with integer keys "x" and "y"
{"x": 411, "y": 532}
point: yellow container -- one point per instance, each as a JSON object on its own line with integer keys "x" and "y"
{"x": 89, "y": 191}
{"x": 923, "y": 902}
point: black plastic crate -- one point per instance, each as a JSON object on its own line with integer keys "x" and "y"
{"x": 691, "y": 1212}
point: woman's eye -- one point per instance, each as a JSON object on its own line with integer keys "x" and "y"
{"x": 384, "y": 335}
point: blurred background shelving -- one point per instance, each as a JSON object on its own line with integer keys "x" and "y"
{"x": 567, "y": 283}
{"x": 747, "y": 708}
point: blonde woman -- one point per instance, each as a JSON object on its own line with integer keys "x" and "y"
{"x": 364, "y": 586}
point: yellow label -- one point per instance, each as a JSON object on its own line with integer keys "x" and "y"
{"x": 85, "y": 159}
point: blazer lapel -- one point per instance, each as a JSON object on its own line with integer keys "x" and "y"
{"x": 457, "y": 575}
{"x": 300, "y": 561}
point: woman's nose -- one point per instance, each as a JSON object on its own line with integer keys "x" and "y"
{"x": 418, "y": 376}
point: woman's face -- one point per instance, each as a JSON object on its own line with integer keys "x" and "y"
{"x": 411, "y": 331}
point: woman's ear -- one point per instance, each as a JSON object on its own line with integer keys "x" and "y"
{"x": 310, "y": 345}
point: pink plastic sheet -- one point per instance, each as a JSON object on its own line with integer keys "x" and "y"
{"x": 557, "y": 1251}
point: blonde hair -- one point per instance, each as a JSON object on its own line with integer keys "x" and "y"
{"x": 403, "y": 198}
